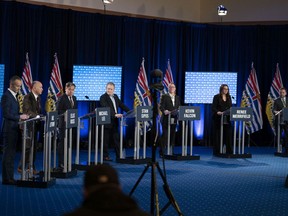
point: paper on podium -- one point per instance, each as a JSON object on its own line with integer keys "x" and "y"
{"x": 130, "y": 114}
{"x": 88, "y": 115}
{"x": 226, "y": 112}
{"x": 37, "y": 118}
{"x": 278, "y": 112}
{"x": 174, "y": 112}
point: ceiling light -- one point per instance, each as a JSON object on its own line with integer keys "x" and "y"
{"x": 107, "y": 1}
{"x": 222, "y": 11}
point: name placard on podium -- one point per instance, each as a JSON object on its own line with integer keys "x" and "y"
{"x": 71, "y": 118}
{"x": 189, "y": 113}
{"x": 241, "y": 114}
{"x": 103, "y": 115}
{"x": 51, "y": 120}
{"x": 144, "y": 113}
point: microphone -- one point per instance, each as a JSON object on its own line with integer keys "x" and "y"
{"x": 232, "y": 97}
{"x": 87, "y": 97}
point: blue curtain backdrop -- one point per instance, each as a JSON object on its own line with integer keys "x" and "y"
{"x": 97, "y": 39}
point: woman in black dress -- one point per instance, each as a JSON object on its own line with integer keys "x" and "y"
{"x": 222, "y": 102}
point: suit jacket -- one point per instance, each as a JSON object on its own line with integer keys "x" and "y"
{"x": 278, "y": 105}
{"x": 30, "y": 106}
{"x": 11, "y": 115}
{"x": 64, "y": 104}
{"x": 105, "y": 101}
{"x": 167, "y": 104}
{"x": 220, "y": 105}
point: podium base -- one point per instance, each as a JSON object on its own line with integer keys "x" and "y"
{"x": 286, "y": 182}
{"x": 36, "y": 183}
{"x": 83, "y": 166}
{"x": 181, "y": 158}
{"x": 63, "y": 175}
{"x": 280, "y": 154}
{"x": 245, "y": 155}
{"x": 131, "y": 160}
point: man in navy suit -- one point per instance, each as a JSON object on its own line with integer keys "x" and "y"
{"x": 279, "y": 104}
{"x": 32, "y": 107}
{"x": 10, "y": 129}
{"x": 65, "y": 102}
{"x": 169, "y": 104}
{"x": 111, "y": 100}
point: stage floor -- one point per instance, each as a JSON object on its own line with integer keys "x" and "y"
{"x": 209, "y": 186}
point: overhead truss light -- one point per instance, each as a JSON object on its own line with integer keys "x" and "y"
{"x": 222, "y": 11}
{"x": 107, "y": 1}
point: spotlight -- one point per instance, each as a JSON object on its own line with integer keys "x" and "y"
{"x": 107, "y": 1}
{"x": 222, "y": 11}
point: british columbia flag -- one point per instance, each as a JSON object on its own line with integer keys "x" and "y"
{"x": 273, "y": 95}
{"x": 251, "y": 98}
{"x": 142, "y": 96}
{"x": 55, "y": 89}
{"x": 26, "y": 82}
{"x": 168, "y": 78}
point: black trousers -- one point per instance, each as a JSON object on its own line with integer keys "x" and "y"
{"x": 164, "y": 139}
{"x": 111, "y": 136}
{"x": 10, "y": 140}
{"x": 227, "y": 137}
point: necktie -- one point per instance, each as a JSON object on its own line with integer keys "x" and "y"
{"x": 16, "y": 96}
{"x": 71, "y": 101}
{"x": 284, "y": 102}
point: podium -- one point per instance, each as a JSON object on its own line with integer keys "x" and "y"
{"x": 84, "y": 165}
{"x": 43, "y": 179}
{"x": 282, "y": 120}
{"x": 103, "y": 116}
{"x": 142, "y": 116}
{"x": 71, "y": 121}
{"x": 239, "y": 115}
{"x": 187, "y": 114}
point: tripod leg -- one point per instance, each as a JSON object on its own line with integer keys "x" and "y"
{"x": 139, "y": 179}
{"x": 154, "y": 192}
{"x": 169, "y": 194}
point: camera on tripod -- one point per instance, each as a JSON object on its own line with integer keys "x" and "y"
{"x": 156, "y": 80}
{"x": 156, "y": 87}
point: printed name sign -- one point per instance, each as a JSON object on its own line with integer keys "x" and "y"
{"x": 189, "y": 113}
{"x": 71, "y": 118}
{"x": 241, "y": 114}
{"x": 144, "y": 113}
{"x": 103, "y": 115}
{"x": 51, "y": 121}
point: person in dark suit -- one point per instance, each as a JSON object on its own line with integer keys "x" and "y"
{"x": 279, "y": 104}
{"x": 65, "y": 102}
{"x": 32, "y": 107}
{"x": 103, "y": 195}
{"x": 111, "y": 100}
{"x": 10, "y": 129}
{"x": 169, "y": 104}
{"x": 221, "y": 103}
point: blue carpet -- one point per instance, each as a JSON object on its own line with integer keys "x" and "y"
{"x": 209, "y": 186}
